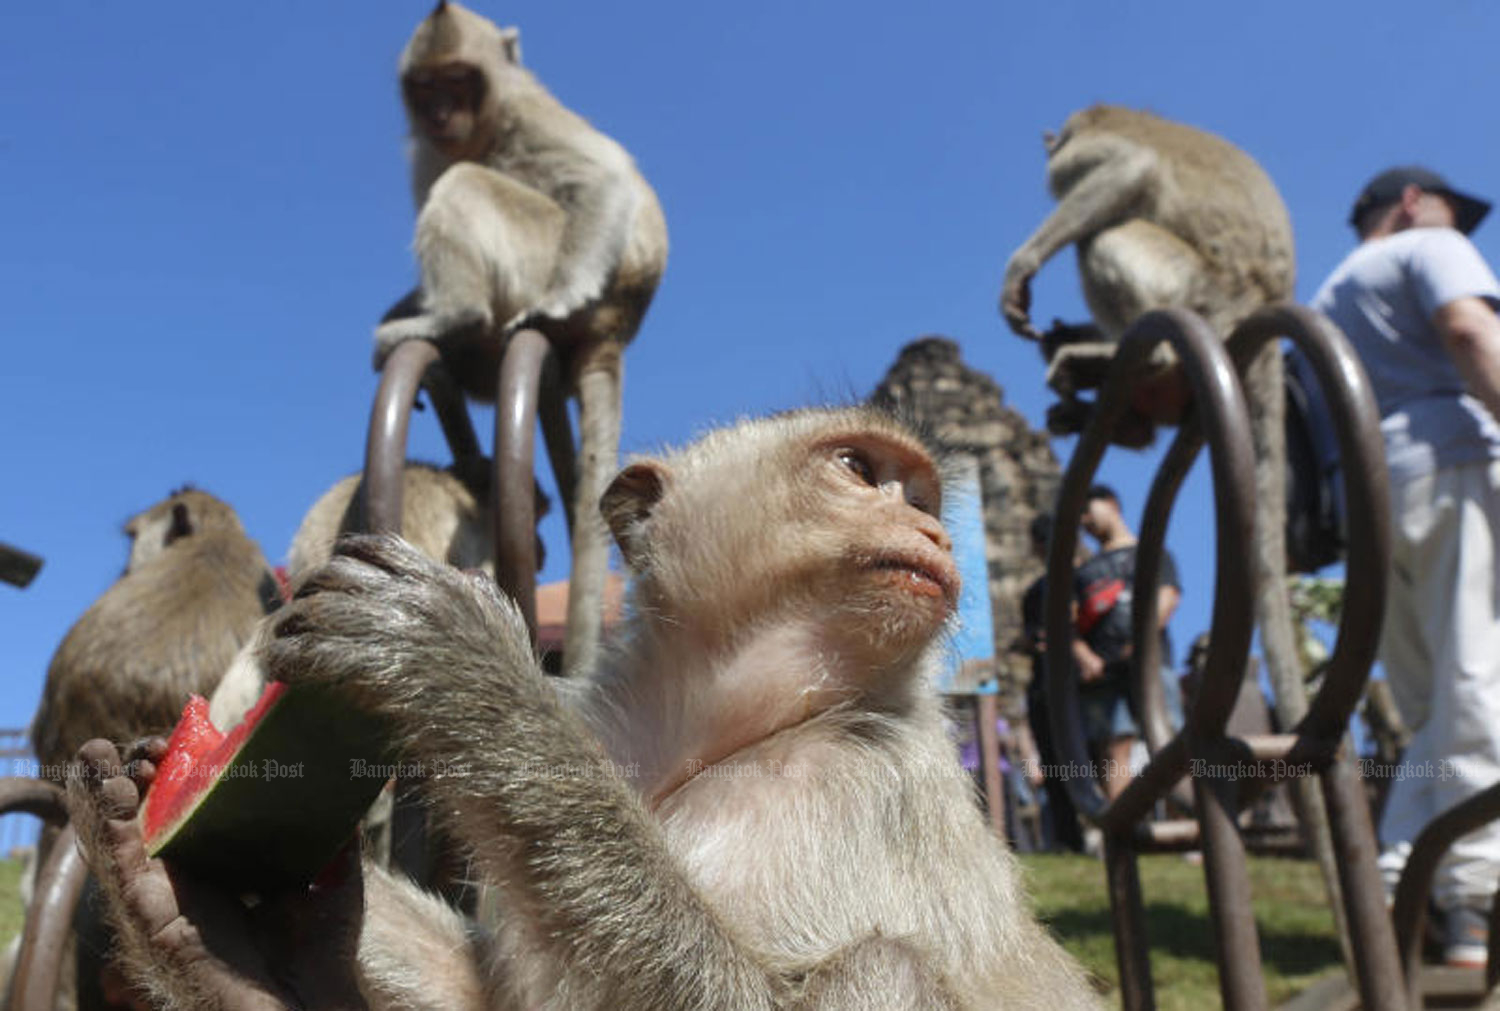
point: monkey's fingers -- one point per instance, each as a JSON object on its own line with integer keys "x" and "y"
{"x": 142, "y": 759}
{"x": 1015, "y": 306}
{"x": 386, "y": 552}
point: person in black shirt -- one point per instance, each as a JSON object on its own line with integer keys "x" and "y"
{"x": 1102, "y": 648}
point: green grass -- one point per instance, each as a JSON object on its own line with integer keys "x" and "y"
{"x": 1297, "y": 937}
{"x": 1297, "y": 934}
{"x": 11, "y": 914}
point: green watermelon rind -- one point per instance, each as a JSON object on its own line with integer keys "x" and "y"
{"x": 288, "y": 800}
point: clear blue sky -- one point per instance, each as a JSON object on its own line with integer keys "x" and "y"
{"x": 205, "y": 210}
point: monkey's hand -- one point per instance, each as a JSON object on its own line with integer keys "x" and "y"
{"x": 401, "y": 636}
{"x": 1015, "y": 297}
{"x": 187, "y": 944}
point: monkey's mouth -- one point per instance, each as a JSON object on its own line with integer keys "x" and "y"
{"x": 921, "y": 576}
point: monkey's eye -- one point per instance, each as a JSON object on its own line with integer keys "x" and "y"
{"x": 859, "y": 465}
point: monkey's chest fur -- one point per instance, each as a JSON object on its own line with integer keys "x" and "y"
{"x": 810, "y": 845}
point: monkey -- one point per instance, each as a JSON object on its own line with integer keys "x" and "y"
{"x": 1162, "y": 215}
{"x": 528, "y": 216}
{"x": 752, "y": 804}
{"x": 194, "y": 588}
{"x": 443, "y": 514}
{"x": 192, "y": 592}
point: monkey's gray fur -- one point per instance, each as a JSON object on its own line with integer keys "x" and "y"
{"x": 190, "y": 597}
{"x": 443, "y": 515}
{"x": 1162, "y": 215}
{"x": 527, "y": 215}
{"x": 754, "y": 805}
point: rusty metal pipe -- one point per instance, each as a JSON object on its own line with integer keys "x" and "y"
{"x": 1128, "y": 918}
{"x": 526, "y": 354}
{"x": 1236, "y": 942}
{"x": 1410, "y": 911}
{"x": 1372, "y": 939}
{"x": 45, "y": 935}
{"x": 1145, "y": 682}
{"x": 18, "y": 567}
{"x": 385, "y": 445}
{"x": 1219, "y": 406}
{"x": 38, "y": 797}
{"x": 1351, "y": 402}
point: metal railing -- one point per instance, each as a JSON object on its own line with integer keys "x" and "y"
{"x": 1225, "y": 768}
{"x": 527, "y": 390}
{"x": 18, "y": 830}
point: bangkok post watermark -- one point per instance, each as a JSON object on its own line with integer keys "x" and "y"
{"x": 268, "y": 769}
{"x": 1441, "y": 770}
{"x": 362, "y": 768}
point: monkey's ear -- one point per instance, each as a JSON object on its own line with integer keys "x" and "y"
{"x": 182, "y": 523}
{"x": 510, "y": 45}
{"x": 627, "y": 504}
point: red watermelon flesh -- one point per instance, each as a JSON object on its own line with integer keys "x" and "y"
{"x": 196, "y": 750}
{"x": 269, "y": 803}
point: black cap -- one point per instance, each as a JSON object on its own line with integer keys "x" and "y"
{"x": 1386, "y": 188}
{"x": 1101, "y": 491}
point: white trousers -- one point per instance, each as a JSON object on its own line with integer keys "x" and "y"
{"x": 1441, "y": 650}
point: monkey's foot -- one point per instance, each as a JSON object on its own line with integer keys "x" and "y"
{"x": 1060, "y": 335}
{"x": 169, "y": 928}
{"x": 1069, "y": 417}
{"x": 391, "y": 335}
{"x": 435, "y": 327}
{"x": 1080, "y": 367}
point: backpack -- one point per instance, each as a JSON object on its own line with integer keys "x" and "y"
{"x": 1316, "y": 531}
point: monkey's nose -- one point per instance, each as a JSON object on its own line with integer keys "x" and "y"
{"x": 937, "y": 535}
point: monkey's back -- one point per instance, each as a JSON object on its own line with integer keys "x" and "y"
{"x": 1215, "y": 196}
{"x": 163, "y": 631}
{"x": 441, "y": 516}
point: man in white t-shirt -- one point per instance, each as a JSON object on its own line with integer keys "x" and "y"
{"x": 1417, "y": 301}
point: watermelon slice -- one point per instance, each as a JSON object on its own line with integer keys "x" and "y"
{"x": 268, "y": 804}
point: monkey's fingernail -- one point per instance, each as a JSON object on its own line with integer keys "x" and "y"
{"x": 118, "y": 798}
{"x": 143, "y": 771}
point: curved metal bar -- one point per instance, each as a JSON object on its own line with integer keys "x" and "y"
{"x": 45, "y": 935}
{"x": 526, "y": 355}
{"x": 39, "y": 797}
{"x": 557, "y": 430}
{"x": 1410, "y": 910}
{"x": 1351, "y": 402}
{"x": 385, "y": 445}
{"x": 1145, "y": 685}
{"x": 1220, "y": 408}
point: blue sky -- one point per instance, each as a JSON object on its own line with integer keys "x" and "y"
{"x": 204, "y": 210}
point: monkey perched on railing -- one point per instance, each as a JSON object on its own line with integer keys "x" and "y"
{"x": 528, "y": 216}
